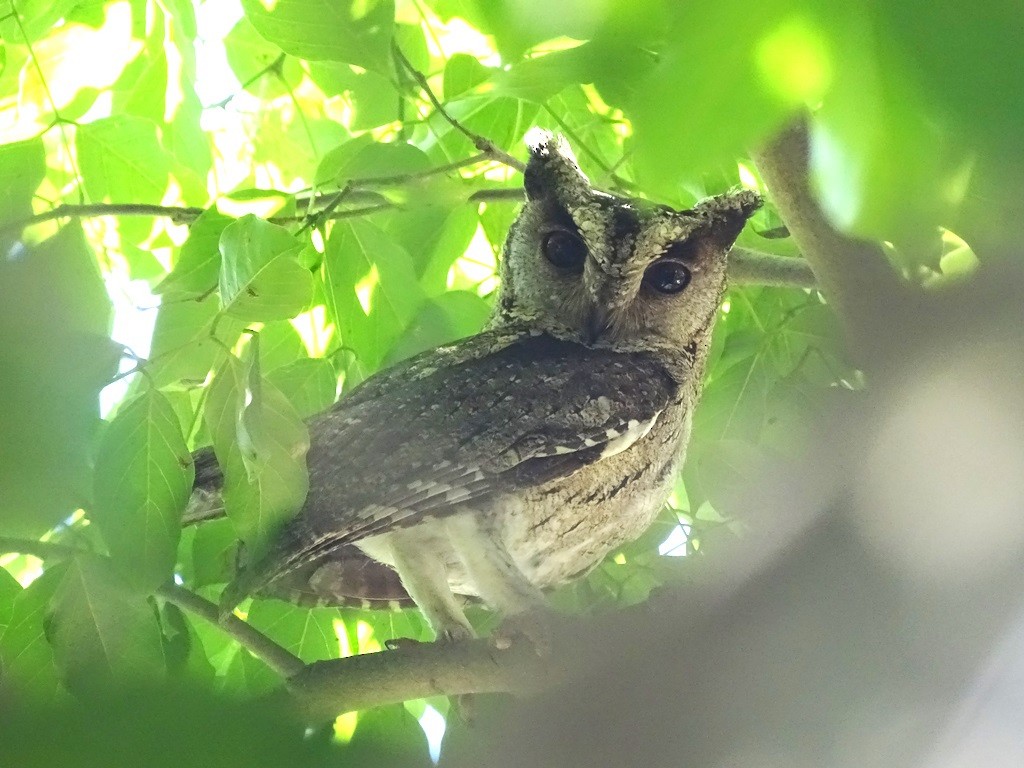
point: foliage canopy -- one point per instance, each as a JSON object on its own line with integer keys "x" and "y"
{"x": 222, "y": 215}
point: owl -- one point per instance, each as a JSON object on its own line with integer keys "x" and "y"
{"x": 515, "y": 460}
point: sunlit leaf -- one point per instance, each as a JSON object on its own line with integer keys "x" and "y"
{"x": 197, "y": 268}
{"x": 28, "y": 664}
{"x": 254, "y": 61}
{"x": 373, "y": 290}
{"x": 121, "y": 160}
{"x": 260, "y": 277}
{"x": 337, "y": 30}
{"x": 309, "y": 634}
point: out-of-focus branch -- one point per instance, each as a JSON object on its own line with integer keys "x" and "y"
{"x": 854, "y": 275}
{"x": 750, "y": 267}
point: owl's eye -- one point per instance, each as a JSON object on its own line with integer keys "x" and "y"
{"x": 667, "y": 276}
{"x": 565, "y": 250}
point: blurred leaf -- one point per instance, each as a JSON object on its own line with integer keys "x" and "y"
{"x": 884, "y": 161}
{"x": 773, "y": 59}
{"x": 373, "y": 293}
{"x": 214, "y": 551}
{"x": 392, "y": 729}
{"x": 35, "y": 17}
{"x": 164, "y": 726}
{"x": 26, "y": 658}
{"x": 10, "y": 590}
{"x": 463, "y": 73}
{"x": 339, "y": 30}
{"x": 500, "y": 119}
{"x": 22, "y": 168}
{"x": 55, "y": 357}
{"x": 197, "y": 268}
{"x": 540, "y": 78}
{"x": 141, "y": 89}
{"x": 121, "y": 160}
{"x": 143, "y": 478}
{"x": 260, "y": 277}
{"x": 102, "y": 632}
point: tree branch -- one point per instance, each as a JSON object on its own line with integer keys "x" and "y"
{"x": 259, "y": 645}
{"x": 750, "y": 267}
{"x": 484, "y": 145}
{"x": 329, "y": 688}
{"x": 855, "y": 276}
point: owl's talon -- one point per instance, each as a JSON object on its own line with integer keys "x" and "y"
{"x": 533, "y": 627}
{"x": 400, "y": 643}
{"x": 455, "y": 634}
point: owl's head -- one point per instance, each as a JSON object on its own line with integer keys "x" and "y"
{"x": 612, "y": 270}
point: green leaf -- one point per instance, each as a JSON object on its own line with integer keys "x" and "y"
{"x": 260, "y": 277}
{"x": 279, "y": 344}
{"x": 450, "y": 316}
{"x": 336, "y": 30}
{"x": 214, "y": 554}
{"x": 500, "y": 119}
{"x": 886, "y": 163}
{"x": 310, "y": 385}
{"x": 309, "y": 634}
{"x": 26, "y": 657}
{"x": 373, "y": 293}
{"x": 166, "y": 725}
{"x": 189, "y": 337}
{"x": 55, "y": 356}
{"x": 394, "y": 726}
{"x": 143, "y": 479}
{"x": 142, "y": 87}
{"x": 121, "y": 160}
{"x": 540, "y": 78}
{"x": 373, "y": 161}
{"x": 22, "y": 168}
{"x": 197, "y": 268}
{"x": 102, "y": 631}
{"x": 249, "y": 54}
{"x": 463, "y": 73}
{"x": 266, "y": 486}
{"x": 10, "y": 590}
{"x": 773, "y": 60}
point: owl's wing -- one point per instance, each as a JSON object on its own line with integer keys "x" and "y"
{"x": 404, "y": 448}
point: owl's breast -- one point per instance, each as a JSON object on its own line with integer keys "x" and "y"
{"x": 561, "y": 530}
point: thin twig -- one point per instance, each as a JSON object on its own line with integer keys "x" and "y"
{"x": 485, "y": 145}
{"x": 259, "y": 645}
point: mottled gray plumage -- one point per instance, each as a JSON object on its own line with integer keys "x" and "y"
{"x": 515, "y": 460}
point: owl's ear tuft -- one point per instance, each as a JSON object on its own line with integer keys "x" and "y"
{"x": 552, "y": 166}
{"x": 726, "y": 214}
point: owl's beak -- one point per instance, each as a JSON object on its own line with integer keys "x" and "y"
{"x": 598, "y": 321}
